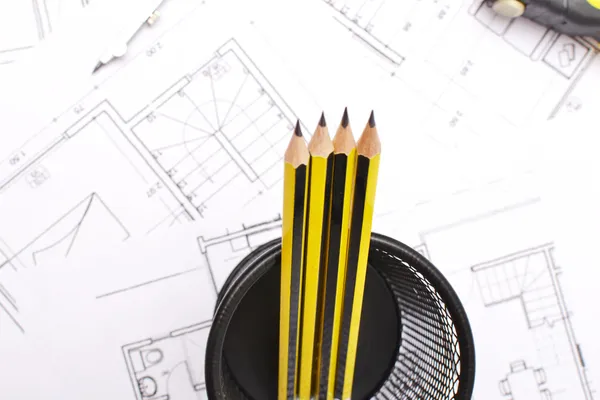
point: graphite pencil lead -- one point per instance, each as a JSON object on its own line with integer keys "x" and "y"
{"x": 345, "y": 120}
{"x": 320, "y": 143}
{"x": 297, "y": 150}
{"x": 297, "y": 130}
{"x": 368, "y": 144}
{"x": 322, "y": 120}
{"x": 343, "y": 141}
{"x": 372, "y": 120}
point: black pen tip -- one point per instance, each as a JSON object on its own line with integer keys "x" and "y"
{"x": 345, "y": 120}
{"x": 322, "y": 120}
{"x": 297, "y": 130}
{"x": 372, "y": 120}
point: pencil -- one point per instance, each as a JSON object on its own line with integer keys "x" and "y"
{"x": 295, "y": 178}
{"x": 365, "y": 183}
{"x": 319, "y": 187}
{"x": 344, "y": 161}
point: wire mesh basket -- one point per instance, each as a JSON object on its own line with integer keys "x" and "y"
{"x": 415, "y": 341}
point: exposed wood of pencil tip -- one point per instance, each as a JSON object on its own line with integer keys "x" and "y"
{"x": 343, "y": 141}
{"x": 320, "y": 144}
{"x": 368, "y": 144}
{"x": 297, "y": 151}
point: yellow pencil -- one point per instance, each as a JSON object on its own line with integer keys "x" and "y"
{"x": 295, "y": 180}
{"x": 320, "y": 169}
{"x": 344, "y": 161}
{"x": 365, "y": 184}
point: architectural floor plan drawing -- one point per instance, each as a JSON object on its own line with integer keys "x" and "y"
{"x": 501, "y": 264}
{"x": 167, "y": 363}
{"x": 212, "y": 130}
{"x": 96, "y": 156}
{"x": 81, "y": 223}
{"x": 170, "y": 367}
{"x": 469, "y": 64}
{"x": 559, "y": 52}
{"x": 138, "y": 154}
{"x": 581, "y": 95}
{"x": 228, "y": 129}
{"x": 189, "y": 127}
{"x": 159, "y": 289}
{"x": 89, "y": 188}
{"x": 531, "y": 278}
{"x": 567, "y": 56}
{"x": 223, "y": 252}
{"x": 366, "y": 20}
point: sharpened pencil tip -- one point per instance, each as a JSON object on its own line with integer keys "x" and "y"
{"x": 322, "y": 120}
{"x": 345, "y": 120}
{"x": 372, "y": 120}
{"x": 297, "y": 130}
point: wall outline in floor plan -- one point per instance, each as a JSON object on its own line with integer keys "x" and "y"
{"x": 512, "y": 292}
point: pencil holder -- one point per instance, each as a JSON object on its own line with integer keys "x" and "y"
{"x": 415, "y": 341}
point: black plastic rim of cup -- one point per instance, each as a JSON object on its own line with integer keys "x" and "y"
{"x": 415, "y": 340}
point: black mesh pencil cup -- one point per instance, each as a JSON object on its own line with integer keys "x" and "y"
{"x": 415, "y": 341}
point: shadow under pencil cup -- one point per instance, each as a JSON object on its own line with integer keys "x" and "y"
{"x": 415, "y": 341}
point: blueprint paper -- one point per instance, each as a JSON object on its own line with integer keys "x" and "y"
{"x": 49, "y": 79}
{"x": 496, "y": 245}
{"x": 154, "y": 297}
{"x": 569, "y": 173}
{"x": 141, "y": 311}
{"x": 102, "y": 172}
{"x": 452, "y": 99}
{"x": 139, "y": 315}
{"x": 192, "y": 123}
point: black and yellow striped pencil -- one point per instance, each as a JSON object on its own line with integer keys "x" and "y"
{"x": 319, "y": 190}
{"x": 296, "y": 160}
{"x": 344, "y": 161}
{"x": 365, "y": 184}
